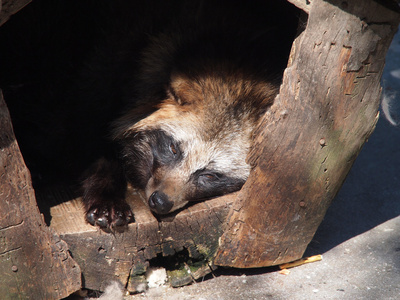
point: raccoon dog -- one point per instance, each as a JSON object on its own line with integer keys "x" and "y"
{"x": 197, "y": 95}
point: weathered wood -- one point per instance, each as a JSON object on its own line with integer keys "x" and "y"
{"x": 34, "y": 262}
{"x": 306, "y": 144}
{"x": 10, "y": 7}
{"x": 305, "y": 5}
{"x": 125, "y": 256}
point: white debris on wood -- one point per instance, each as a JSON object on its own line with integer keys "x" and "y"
{"x": 156, "y": 277}
{"x": 113, "y": 292}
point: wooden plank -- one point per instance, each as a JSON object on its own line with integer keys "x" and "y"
{"x": 326, "y": 110}
{"x": 125, "y": 256}
{"x": 34, "y": 262}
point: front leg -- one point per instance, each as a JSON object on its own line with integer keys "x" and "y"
{"x": 104, "y": 189}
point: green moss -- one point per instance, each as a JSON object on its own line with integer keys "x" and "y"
{"x": 179, "y": 277}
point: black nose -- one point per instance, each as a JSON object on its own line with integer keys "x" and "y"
{"x": 159, "y": 203}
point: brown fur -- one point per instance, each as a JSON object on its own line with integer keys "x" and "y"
{"x": 199, "y": 95}
{"x": 228, "y": 109}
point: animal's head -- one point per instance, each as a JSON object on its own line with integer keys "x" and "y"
{"x": 194, "y": 145}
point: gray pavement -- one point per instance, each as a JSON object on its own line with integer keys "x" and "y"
{"x": 359, "y": 237}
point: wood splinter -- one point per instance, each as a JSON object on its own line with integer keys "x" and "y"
{"x": 301, "y": 261}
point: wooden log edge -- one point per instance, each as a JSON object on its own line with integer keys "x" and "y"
{"x": 184, "y": 243}
{"x": 308, "y": 141}
{"x": 34, "y": 261}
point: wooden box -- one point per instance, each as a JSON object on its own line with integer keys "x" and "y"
{"x": 326, "y": 110}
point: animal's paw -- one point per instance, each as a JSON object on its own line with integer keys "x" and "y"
{"x": 110, "y": 216}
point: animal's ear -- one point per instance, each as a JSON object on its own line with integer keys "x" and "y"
{"x": 183, "y": 90}
{"x": 171, "y": 94}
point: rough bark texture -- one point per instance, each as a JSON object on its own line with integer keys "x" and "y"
{"x": 326, "y": 110}
{"x": 34, "y": 262}
{"x": 10, "y": 7}
{"x": 186, "y": 242}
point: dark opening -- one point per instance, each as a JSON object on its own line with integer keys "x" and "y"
{"x": 65, "y": 70}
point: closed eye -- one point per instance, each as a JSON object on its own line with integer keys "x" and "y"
{"x": 173, "y": 149}
{"x": 165, "y": 149}
{"x": 208, "y": 178}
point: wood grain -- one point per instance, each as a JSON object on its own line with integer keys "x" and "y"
{"x": 34, "y": 261}
{"x": 306, "y": 144}
{"x": 125, "y": 256}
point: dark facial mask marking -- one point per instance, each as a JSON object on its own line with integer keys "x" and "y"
{"x": 145, "y": 151}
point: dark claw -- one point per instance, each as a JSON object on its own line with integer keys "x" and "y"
{"x": 91, "y": 217}
{"x": 120, "y": 220}
{"x": 102, "y": 222}
{"x": 109, "y": 217}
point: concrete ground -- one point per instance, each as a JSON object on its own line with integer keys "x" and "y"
{"x": 359, "y": 237}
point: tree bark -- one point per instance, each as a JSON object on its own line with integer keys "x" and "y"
{"x": 305, "y": 145}
{"x": 34, "y": 262}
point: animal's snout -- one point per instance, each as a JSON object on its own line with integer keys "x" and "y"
{"x": 159, "y": 203}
